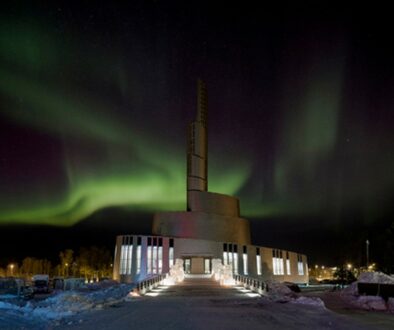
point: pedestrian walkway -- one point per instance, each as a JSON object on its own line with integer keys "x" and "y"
{"x": 201, "y": 303}
{"x": 196, "y": 287}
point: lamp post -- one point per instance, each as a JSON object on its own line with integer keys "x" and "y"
{"x": 12, "y": 269}
{"x": 367, "y": 250}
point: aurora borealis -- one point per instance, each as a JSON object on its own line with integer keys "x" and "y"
{"x": 104, "y": 157}
{"x": 95, "y": 103}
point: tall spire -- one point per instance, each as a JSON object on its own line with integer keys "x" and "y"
{"x": 197, "y": 151}
{"x": 202, "y": 103}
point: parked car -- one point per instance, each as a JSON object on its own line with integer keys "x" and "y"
{"x": 40, "y": 283}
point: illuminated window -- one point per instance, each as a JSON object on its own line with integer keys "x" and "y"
{"x": 207, "y": 266}
{"x": 125, "y": 259}
{"x": 288, "y": 264}
{"x": 300, "y": 265}
{"x": 187, "y": 266}
{"x": 138, "y": 256}
{"x": 225, "y": 254}
{"x": 274, "y": 262}
{"x": 149, "y": 256}
{"x": 122, "y": 270}
{"x": 225, "y": 258}
{"x": 154, "y": 260}
{"x": 160, "y": 257}
{"x": 235, "y": 262}
{"x": 277, "y": 262}
{"x": 245, "y": 261}
{"x": 126, "y": 255}
{"x": 129, "y": 259}
{"x": 149, "y": 259}
{"x": 281, "y": 264}
{"x": 258, "y": 261}
{"x": 171, "y": 252}
{"x": 235, "y": 259}
{"x": 115, "y": 254}
{"x": 171, "y": 256}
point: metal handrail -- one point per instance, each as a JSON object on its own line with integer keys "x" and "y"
{"x": 150, "y": 283}
{"x": 253, "y": 284}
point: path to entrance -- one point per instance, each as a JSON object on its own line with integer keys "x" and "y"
{"x": 198, "y": 287}
{"x": 203, "y": 304}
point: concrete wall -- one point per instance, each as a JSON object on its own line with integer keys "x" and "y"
{"x": 196, "y": 247}
{"x": 213, "y": 249}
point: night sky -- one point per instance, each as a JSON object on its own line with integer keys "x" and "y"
{"x": 95, "y": 103}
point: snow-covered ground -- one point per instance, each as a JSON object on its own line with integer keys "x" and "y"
{"x": 16, "y": 313}
{"x": 352, "y": 296}
{"x": 188, "y": 306}
{"x": 204, "y": 307}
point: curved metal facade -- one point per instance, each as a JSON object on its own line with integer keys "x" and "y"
{"x": 201, "y": 225}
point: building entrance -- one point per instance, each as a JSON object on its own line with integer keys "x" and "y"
{"x": 197, "y": 265}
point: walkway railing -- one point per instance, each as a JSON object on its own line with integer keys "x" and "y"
{"x": 252, "y": 284}
{"x": 150, "y": 283}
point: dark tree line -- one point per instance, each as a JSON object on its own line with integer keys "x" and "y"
{"x": 91, "y": 263}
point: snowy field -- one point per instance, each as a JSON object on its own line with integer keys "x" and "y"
{"x": 43, "y": 314}
{"x": 200, "y": 305}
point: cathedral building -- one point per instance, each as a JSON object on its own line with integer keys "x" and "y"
{"x": 210, "y": 228}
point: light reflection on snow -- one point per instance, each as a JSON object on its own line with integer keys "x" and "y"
{"x": 152, "y": 294}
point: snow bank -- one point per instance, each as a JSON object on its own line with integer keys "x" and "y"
{"x": 279, "y": 292}
{"x": 377, "y": 303}
{"x": 6, "y": 305}
{"x": 367, "y": 277}
{"x": 313, "y": 301}
{"x": 351, "y": 290}
{"x": 390, "y": 305}
{"x": 371, "y": 303}
{"x": 71, "y": 302}
{"x": 375, "y": 277}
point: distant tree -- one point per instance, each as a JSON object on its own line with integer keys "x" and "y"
{"x": 94, "y": 262}
{"x": 31, "y": 266}
{"x": 344, "y": 276}
{"x": 47, "y": 267}
{"x": 27, "y": 267}
{"x": 3, "y": 272}
{"x": 66, "y": 260}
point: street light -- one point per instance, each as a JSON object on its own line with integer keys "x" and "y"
{"x": 12, "y": 269}
{"x": 349, "y": 266}
{"x": 367, "y": 250}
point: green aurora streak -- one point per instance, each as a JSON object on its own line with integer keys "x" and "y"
{"x": 135, "y": 170}
{"x": 110, "y": 159}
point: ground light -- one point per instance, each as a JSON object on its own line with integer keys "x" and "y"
{"x": 248, "y": 292}
{"x": 156, "y": 291}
